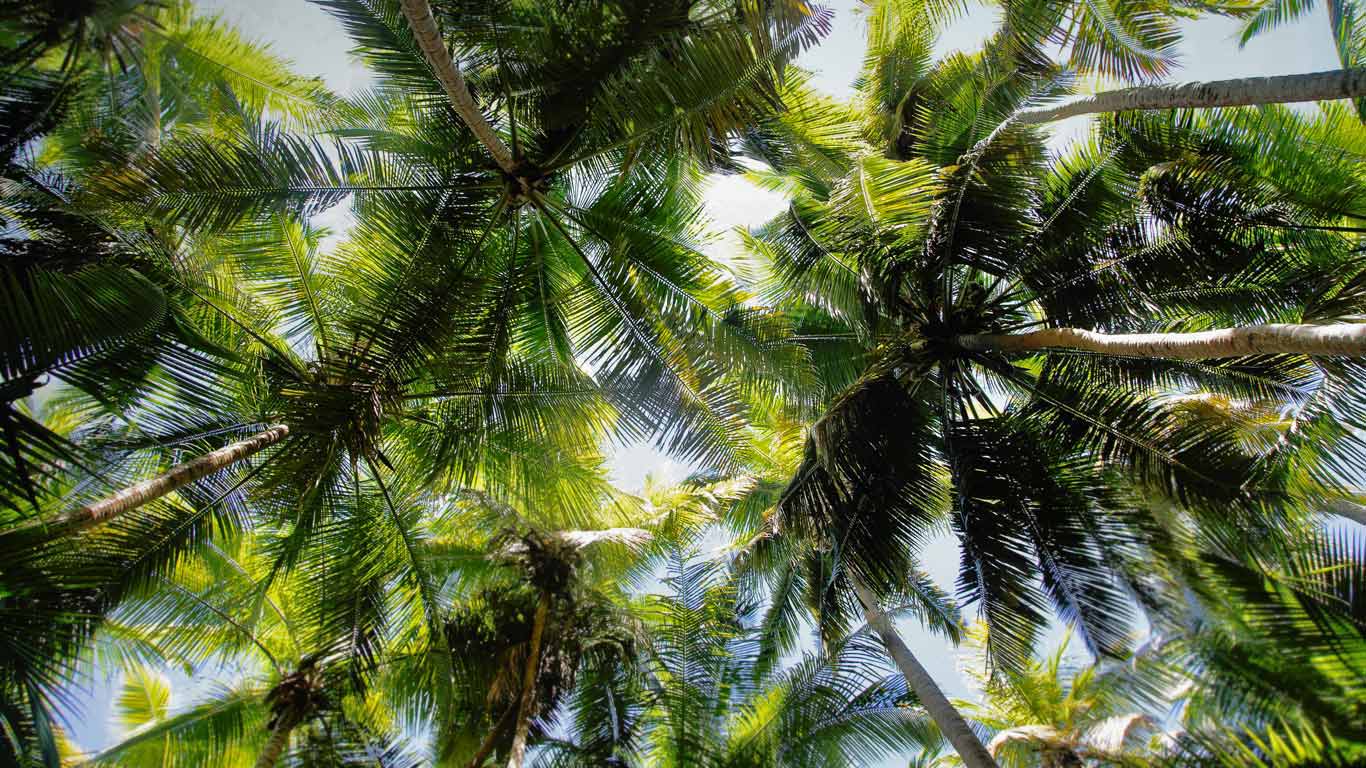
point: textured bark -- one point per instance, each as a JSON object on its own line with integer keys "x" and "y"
{"x": 1343, "y": 340}
{"x": 423, "y": 24}
{"x": 950, "y": 722}
{"x": 1284, "y": 89}
{"x": 178, "y": 476}
{"x": 533, "y": 663}
{"x": 279, "y": 739}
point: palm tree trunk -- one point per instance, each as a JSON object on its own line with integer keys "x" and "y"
{"x": 1284, "y": 89}
{"x": 151, "y": 135}
{"x": 486, "y": 748}
{"x": 950, "y": 722}
{"x": 533, "y": 662}
{"x": 423, "y": 24}
{"x": 1348, "y": 508}
{"x": 178, "y": 476}
{"x": 1343, "y": 340}
{"x": 279, "y": 739}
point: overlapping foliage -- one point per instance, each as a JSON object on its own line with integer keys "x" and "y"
{"x": 437, "y": 530}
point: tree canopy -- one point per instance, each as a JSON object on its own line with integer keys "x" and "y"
{"x": 322, "y": 497}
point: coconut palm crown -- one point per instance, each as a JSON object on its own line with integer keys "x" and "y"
{"x": 966, "y": 267}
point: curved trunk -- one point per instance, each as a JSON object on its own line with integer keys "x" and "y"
{"x": 178, "y": 476}
{"x": 279, "y": 739}
{"x": 950, "y": 722}
{"x": 1344, "y": 340}
{"x": 1245, "y": 91}
{"x": 533, "y": 662}
{"x": 423, "y": 24}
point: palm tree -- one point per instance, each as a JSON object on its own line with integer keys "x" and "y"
{"x": 527, "y": 596}
{"x": 932, "y": 253}
{"x": 369, "y": 362}
{"x": 1056, "y": 713}
{"x": 96, "y": 304}
{"x": 803, "y": 579}
{"x": 222, "y": 614}
{"x": 619, "y": 258}
{"x": 1135, "y": 42}
{"x": 520, "y": 646}
{"x": 700, "y": 695}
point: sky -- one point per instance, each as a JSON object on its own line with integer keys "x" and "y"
{"x": 318, "y": 46}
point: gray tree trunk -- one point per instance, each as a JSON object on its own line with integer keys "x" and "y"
{"x": 423, "y": 24}
{"x": 950, "y": 722}
{"x": 533, "y": 663}
{"x": 279, "y": 739}
{"x": 1283, "y": 89}
{"x": 178, "y": 476}
{"x": 1342, "y": 340}
{"x": 1348, "y": 508}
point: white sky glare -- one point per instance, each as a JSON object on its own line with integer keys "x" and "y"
{"x": 318, "y": 46}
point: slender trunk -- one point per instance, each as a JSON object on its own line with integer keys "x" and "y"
{"x": 1284, "y": 89}
{"x": 1343, "y": 340}
{"x": 486, "y": 748}
{"x": 151, "y": 135}
{"x": 279, "y": 739}
{"x": 423, "y": 24}
{"x": 950, "y": 722}
{"x": 178, "y": 476}
{"x": 533, "y": 662}
{"x": 1245, "y": 91}
{"x": 1348, "y": 508}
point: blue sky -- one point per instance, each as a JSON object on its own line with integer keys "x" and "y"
{"x": 318, "y": 46}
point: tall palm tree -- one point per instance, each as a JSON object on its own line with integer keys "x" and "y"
{"x": 1034, "y": 331}
{"x": 96, "y": 305}
{"x": 606, "y": 270}
{"x": 1137, "y": 43}
{"x": 366, "y": 361}
{"x": 803, "y": 579}
{"x": 521, "y": 647}
{"x": 535, "y": 594}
